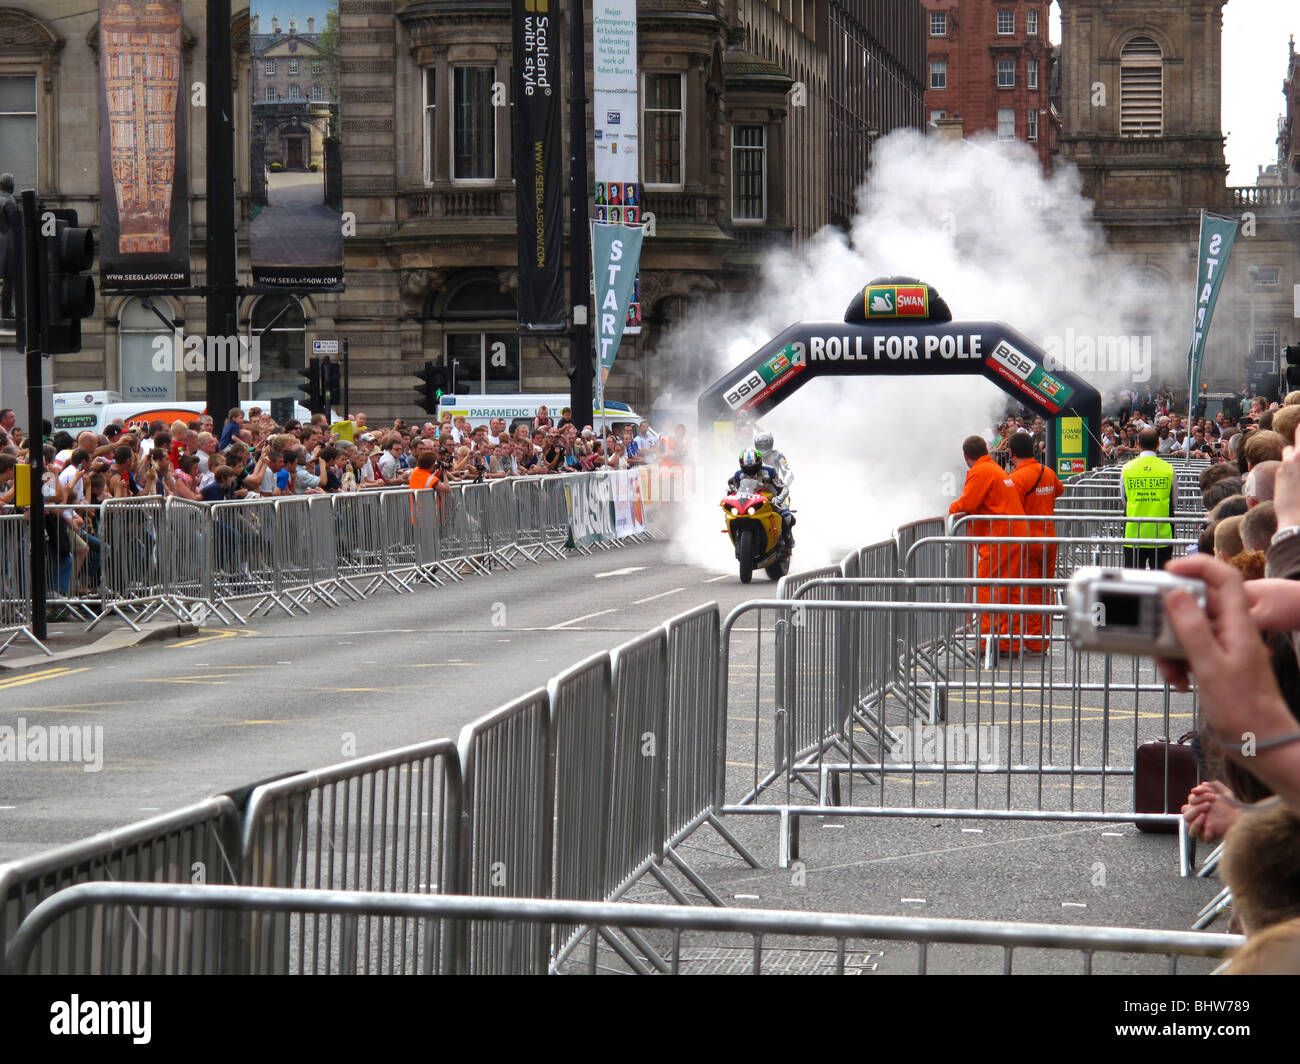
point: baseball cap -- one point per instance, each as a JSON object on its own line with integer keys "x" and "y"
{"x": 367, "y": 437}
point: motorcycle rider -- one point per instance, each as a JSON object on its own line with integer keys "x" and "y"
{"x": 766, "y": 448}
{"x": 770, "y": 483}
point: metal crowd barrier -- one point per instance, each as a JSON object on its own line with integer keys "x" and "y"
{"x": 388, "y": 822}
{"x": 161, "y": 929}
{"x": 134, "y": 558}
{"x": 199, "y": 843}
{"x": 508, "y": 762}
{"x": 1037, "y": 737}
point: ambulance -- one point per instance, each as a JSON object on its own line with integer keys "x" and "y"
{"x": 92, "y": 411}
{"x": 521, "y": 409}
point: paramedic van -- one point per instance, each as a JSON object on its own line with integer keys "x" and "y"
{"x": 521, "y": 409}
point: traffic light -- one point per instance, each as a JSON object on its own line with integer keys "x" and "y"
{"x": 313, "y": 394}
{"x": 430, "y": 387}
{"x": 331, "y": 382}
{"x": 65, "y": 252}
{"x": 1292, "y": 366}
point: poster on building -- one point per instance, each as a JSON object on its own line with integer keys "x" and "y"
{"x": 539, "y": 169}
{"x": 144, "y": 223}
{"x": 295, "y": 147}
{"x": 615, "y": 125}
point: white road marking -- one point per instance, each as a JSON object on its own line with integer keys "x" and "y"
{"x": 912, "y": 901}
{"x": 8, "y": 807}
{"x": 717, "y": 578}
{"x": 565, "y": 624}
{"x": 745, "y": 897}
{"x": 620, "y": 572}
{"x": 1074, "y": 905}
{"x": 972, "y": 831}
{"x": 1112, "y": 834}
{"x": 662, "y": 594}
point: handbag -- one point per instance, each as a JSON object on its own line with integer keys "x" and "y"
{"x": 1153, "y": 791}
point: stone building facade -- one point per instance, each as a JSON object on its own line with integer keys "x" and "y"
{"x": 989, "y": 64}
{"x": 1141, "y": 91}
{"x": 430, "y": 271}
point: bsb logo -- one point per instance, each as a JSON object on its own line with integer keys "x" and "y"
{"x": 896, "y": 301}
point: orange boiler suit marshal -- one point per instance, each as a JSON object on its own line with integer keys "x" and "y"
{"x": 989, "y": 490}
{"x": 1038, "y": 487}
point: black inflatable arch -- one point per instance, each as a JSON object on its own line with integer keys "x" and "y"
{"x": 899, "y": 326}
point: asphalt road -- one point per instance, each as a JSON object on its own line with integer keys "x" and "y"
{"x": 192, "y": 717}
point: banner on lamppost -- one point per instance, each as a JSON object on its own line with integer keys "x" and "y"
{"x": 1217, "y": 236}
{"x": 615, "y": 125}
{"x": 295, "y": 239}
{"x": 539, "y": 171}
{"x": 144, "y": 222}
{"x": 615, "y": 252}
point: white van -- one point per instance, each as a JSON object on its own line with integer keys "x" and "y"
{"x": 521, "y": 409}
{"x": 83, "y": 415}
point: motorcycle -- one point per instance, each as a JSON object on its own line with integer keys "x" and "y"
{"x": 754, "y": 526}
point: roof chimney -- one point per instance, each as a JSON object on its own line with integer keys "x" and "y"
{"x": 255, "y": 20}
{"x": 275, "y": 25}
{"x": 293, "y": 25}
{"x": 311, "y": 24}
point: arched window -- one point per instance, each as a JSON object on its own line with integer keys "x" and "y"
{"x": 145, "y": 370}
{"x": 279, "y": 327}
{"x": 481, "y": 357}
{"x": 1141, "y": 89}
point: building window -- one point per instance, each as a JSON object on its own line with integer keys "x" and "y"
{"x": 270, "y": 94}
{"x": 295, "y": 93}
{"x": 137, "y": 329}
{"x": 1266, "y": 276}
{"x": 938, "y": 23}
{"x": 317, "y": 68}
{"x": 1006, "y": 123}
{"x": 1031, "y": 73}
{"x": 18, "y": 130}
{"x": 1031, "y": 23}
{"x": 1031, "y": 124}
{"x": 749, "y": 173}
{"x": 293, "y": 67}
{"x": 1006, "y": 23}
{"x": 430, "y": 114}
{"x": 1006, "y": 73}
{"x": 1266, "y": 346}
{"x": 278, "y": 323}
{"x": 318, "y": 92}
{"x": 1141, "y": 89}
{"x": 938, "y": 74}
{"x": 268, "y": 68}
{"x": 483, "y": 363}
{"x": 473, "y": 134}
{"x": 662, "y": 143}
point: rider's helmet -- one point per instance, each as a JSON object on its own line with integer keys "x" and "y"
{"x": 763, "y": 443}
{"x": 751, "y": 463}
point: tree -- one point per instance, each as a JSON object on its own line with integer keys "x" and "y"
{"x": 327, "y": 45}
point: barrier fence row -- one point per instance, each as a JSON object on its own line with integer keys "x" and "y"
{"x": 137, "y": 558}
{"x": 582, "y": 789}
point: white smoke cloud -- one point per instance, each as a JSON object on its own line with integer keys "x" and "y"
{"x": 999, "y": 241}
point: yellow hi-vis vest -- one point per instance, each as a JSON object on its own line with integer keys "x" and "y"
{"x": 1148, "y": 489}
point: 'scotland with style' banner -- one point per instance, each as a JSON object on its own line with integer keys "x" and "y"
{"x": 144, "y": 222}
{"x": 538, "y": 168}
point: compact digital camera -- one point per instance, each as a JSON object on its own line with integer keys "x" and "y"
{"x": 1122, "y": 611}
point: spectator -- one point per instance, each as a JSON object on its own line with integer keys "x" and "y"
{"x": 1224, "y": 488}
{"x": 1258, "y": 526}
{"x": 1263, "y": 446}
{"x": 232, "y": 428}
{"x": 542, "y": 421}
{"x": 1227, "y": 538}
{"x": 426, "y": 475}
{"x": 1261, "y": 864}
{"x": 1258, "y": 486}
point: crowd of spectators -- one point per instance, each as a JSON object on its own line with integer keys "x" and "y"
{"x": 254, "y": 457}
{"x": 1244, "y": 657}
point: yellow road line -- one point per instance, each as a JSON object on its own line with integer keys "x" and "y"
{"x": 37, "y": 677}
{"x": 216, "y": 633}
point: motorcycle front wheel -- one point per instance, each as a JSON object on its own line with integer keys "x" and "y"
{"x": 746, "y": 548}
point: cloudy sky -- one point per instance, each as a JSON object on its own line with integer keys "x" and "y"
{"x": 1255, "y": 34}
